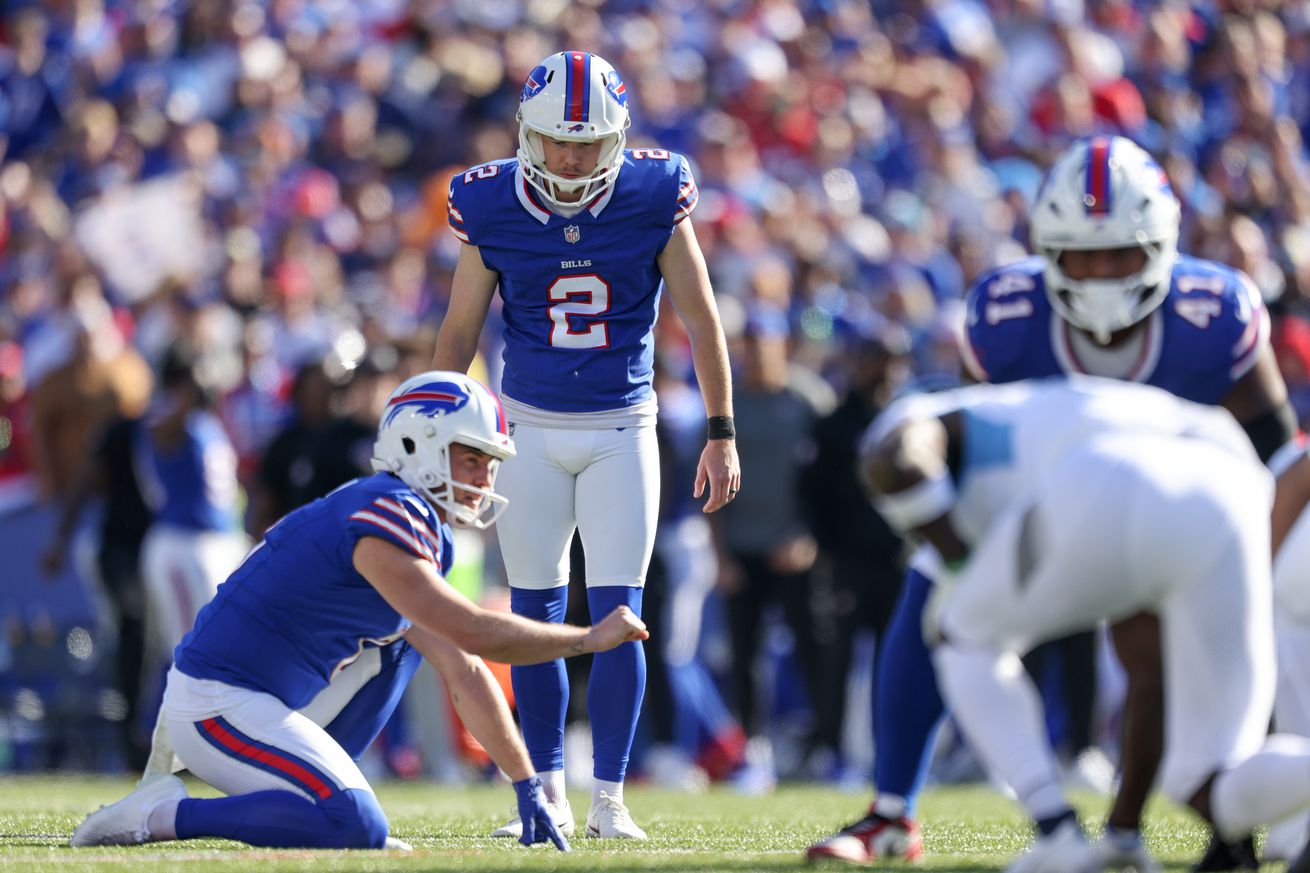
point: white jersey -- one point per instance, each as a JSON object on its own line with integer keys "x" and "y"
{"x": 1086, "y": 501}
{"x": 1014, "y": 434}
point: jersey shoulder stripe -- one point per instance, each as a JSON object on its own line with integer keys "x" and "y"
{"x": 402, "y": 514}
{"x": 410, "y": 541}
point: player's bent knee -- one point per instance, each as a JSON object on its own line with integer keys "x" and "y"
{"x": 359, "y": 817}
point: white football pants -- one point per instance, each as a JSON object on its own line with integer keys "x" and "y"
{"x": 603, "y": 483}
{"x": 181, "y": 570}
{"x": 1174, "y": 526}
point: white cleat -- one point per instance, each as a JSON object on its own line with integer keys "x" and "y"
{"x": 1064, "y": 851}
{"x": 561, "y": 812}
{"x": 1092, "y": 770}
{"x": 609, "y": 819}
{"x": 124, "y": 822}
{"x": 1123, "y": 855}
{"x": 1286, "y": 839}
{"x": 395, "y": 844}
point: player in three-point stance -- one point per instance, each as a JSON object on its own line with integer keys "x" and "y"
{"x": 581, "y": 236}
{"x": 1055, "y": 504}
{"x": 296, "y": 664}
{"x": 1109, "y": 295}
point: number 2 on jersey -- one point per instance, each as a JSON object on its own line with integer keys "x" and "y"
{"x": 579, "y": 297}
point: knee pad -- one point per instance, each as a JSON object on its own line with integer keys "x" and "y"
{"x": 362, "y": 823}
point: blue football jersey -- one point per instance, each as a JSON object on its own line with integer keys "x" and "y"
{"x": 192, "y": 485}
{"x": 580, "y": 294}
{"x": 1205, "y": 336}
{"x": 296, "y": 612}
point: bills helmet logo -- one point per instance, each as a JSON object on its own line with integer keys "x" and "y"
{"x": 535, "y": 82}
{"x": 614, "y": 85}
{"x": 577, "y": 128}
{"x": 572, "y": 233}
{"x": 431, "y": 399}
{"x": 1164, "y": 177}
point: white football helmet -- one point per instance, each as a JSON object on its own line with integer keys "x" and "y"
{"x": 574, "y": 96}
{"x": 1106, "y": 193}
{"x": 422, "y": 418}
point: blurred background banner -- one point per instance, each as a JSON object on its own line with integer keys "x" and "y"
{"x": 143, "y": 235}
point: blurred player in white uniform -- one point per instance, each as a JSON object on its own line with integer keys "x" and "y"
{"x": 1057, "y": 504}
{"x": 299, "y": 660}
{"x": 188, "y": 473}
{"x": 1291, "y": 550}
{"x": 581, "y": 237}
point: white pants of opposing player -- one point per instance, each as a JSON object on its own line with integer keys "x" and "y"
{"x": 181, "y": 570}
{"x": 604, "y": 483}
{"x": 1178, "y": 527}
{"x": 1292, "y": 632}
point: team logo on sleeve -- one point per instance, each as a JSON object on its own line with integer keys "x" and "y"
{"x": 572, "y": 233}
{"x": 430, "y": 399}
{"x": 535, "y": 82}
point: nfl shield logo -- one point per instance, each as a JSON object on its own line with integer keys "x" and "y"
{"x": 572, "y": 233}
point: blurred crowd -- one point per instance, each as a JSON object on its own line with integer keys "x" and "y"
{"x": 255, "y": 192}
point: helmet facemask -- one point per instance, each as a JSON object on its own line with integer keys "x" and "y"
{"x": 1104, "y": 306}
{"x": 532, "y": 159}
{"x": 1103, "y": 194}
{"x": 572, "y": 97}
{"x": 445, "y": 495}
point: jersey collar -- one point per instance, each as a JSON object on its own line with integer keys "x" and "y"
{"x": 1143, "y": 367}
{"x": 527, "y": 199}
{"x": 534, "y": 207}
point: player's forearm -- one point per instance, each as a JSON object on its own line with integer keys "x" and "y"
{"x": 512, "y": 639}
{"x": 710, "y": 358}
{"x": 471, "y": 291}
{"x": 685, "y": 275}
{"x": 455, "y": 349}
{"x": 482, "y": 707}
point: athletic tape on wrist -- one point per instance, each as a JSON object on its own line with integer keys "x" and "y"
{"x": 917, "y": 505}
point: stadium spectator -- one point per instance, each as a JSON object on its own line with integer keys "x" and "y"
{"x": 766, "y": 549}
{"x": 109, "y": 475}
{"x": 856, "y": 548}
{"x": 286, "y": 472}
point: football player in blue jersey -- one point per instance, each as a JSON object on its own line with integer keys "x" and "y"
{"x": 1108, "y": 294}
{"x": 188, "y": 473}
{"x": 296, "y": 664}
{"x": 581, "y": 236}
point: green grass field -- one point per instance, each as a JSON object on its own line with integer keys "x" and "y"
{"x": 966, "y": 829}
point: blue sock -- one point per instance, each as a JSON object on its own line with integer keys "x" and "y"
{"x": 358, "y": 725}
{"x": 908, "y": 708}
{"x": 541, "y": 691}
{"x": 349, "y": 819}
{"x": 618, "y": 682}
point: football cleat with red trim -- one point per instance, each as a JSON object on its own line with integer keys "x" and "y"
{"x": 870, "y": 839}
{"x": 125, "y": 822}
